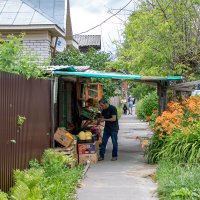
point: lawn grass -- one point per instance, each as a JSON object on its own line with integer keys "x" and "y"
{"x": 178, "y": 181}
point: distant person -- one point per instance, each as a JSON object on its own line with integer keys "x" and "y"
{"x": 123, "y": 101}
{"x": 109, "y": 114}
{"x": 125, "y": 108}
{"x": 131, "y": 101}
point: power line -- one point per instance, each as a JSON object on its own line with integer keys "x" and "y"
{"x": 106, "y": 19}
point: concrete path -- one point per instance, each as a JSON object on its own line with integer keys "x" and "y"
{"x": 128, "y": 178}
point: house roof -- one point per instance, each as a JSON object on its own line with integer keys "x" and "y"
{"x": 88, "y": 40}
{"x": 32, "y": 12}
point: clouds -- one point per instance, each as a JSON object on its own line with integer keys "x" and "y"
{"x": 87, "y": 14}
{"x": 115, "y": 3}
{"x": 92, "y": 6}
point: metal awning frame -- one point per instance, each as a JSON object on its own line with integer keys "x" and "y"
{"x": 162, "y": 83}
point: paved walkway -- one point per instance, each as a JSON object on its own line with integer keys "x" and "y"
{"x": 128, "y": 177}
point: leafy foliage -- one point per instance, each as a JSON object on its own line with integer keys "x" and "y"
{"x": 140, "y": 90}
{"x": 97, "y": 60}
{"x": 161, "y": 38}
{"x": 3, "y": 196}
{"x": 13, "y": 58}
{"x": 146, "y": 106}
{"x": 93, "y": 58}
{"x": 52, "y": 179}
{"x": 60, "y": 181}
{"x": 27, "y": 185}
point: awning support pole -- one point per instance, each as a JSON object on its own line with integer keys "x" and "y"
{"x": 162, "y": 96}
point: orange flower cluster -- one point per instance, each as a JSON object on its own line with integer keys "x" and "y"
{"x": 144, "y": 144}
{"x": 178, "y": 115}
{"x": 148, "y": 118}
{"x": 192, "y": 104}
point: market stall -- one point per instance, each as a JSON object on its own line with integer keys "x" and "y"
{"x": 80, "y": 134}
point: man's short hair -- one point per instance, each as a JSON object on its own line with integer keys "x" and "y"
{"x": 103, "y": 101}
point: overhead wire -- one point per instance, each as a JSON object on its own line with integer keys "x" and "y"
{"x": 102, "y": 41}
{"x": 105, "y": 19}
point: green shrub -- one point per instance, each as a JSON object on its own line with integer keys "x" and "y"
{"x": 139, "y": 109}
{"x": 119, "y": 112}
{"x": 146, "y": 106}
{"x": 3, "y": 196}
{"x": 50, "y": 180}
{"x": 27, "y": 184}
{"x": 178, "y": 181}
{"x": 60, "y": 181}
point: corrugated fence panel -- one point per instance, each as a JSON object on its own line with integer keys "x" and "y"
{"x": 19, "y": 144}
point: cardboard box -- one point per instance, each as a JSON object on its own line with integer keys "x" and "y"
{"x": 88, "y": 148}
{"x": 63, "y": 137}
{"x": 84, "y": 158}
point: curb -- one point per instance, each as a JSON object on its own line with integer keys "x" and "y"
{"x": 85, "y": 170}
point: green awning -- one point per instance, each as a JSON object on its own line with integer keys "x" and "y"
{"x": 110, "y": 75}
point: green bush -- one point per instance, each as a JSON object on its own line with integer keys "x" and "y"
{"x": 60, "y": 181}
{"x": 139, "y": 110}
{"x": 119, "y": 112}
{"x": 178, "y": 181}
{"x": 27, "y": 184}
{"x": 146, "y": 106}
{"x": 3, "y": 196}
{"x": 50, "y": 180}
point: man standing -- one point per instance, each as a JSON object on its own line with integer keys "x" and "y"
{"x": 109, "y": 114}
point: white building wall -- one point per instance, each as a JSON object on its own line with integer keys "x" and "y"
{"x": 38, "y": 44}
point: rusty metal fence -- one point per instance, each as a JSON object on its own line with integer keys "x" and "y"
{"x": 25, "y": 112}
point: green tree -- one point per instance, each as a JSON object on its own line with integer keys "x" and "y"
{"x": 140, "y": 90}
{"x": 97, "y": 60}
{"x": 93, "y": 58}
{"x": 162, "y": 38}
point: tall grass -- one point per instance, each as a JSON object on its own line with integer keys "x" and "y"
{"x": 184, "y": 146}
{"x": 178, "y": 181}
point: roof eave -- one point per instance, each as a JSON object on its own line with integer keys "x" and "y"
{"x": 56, "y": 30}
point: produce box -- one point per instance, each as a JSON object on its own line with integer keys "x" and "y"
{"x": 88, "y": 148}
{"x": 63, "y": 137}
{"x": 85, "y": 158}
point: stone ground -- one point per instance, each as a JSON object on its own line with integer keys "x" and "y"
{"x": 128, "y": 178}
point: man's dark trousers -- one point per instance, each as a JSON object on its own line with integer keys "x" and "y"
{"x": 114, "y": 137}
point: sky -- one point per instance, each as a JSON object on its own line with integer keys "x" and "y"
{"x": 86, "y": 14}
